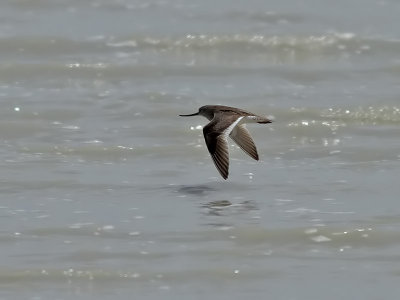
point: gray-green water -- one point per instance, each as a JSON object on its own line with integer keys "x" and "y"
{"x": 105, "y": 193}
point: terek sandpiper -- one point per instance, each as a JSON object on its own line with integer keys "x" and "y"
{"x": 226, "y": 121}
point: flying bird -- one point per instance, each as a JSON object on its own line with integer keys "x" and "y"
{"x": 227, "y": 121}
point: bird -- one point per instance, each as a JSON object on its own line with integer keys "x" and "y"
{"x": 227, "y": 121}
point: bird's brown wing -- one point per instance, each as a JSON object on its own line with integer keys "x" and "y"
{"x": 215, "y": 135}
{"x": 242, "y": 137}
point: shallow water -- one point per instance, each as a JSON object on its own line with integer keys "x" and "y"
{"x": 106, "y": 193}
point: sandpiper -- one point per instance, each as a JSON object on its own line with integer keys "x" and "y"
{"x": 226, "y": 121}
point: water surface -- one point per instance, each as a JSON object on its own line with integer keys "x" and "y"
{"x": 106, "y": 193}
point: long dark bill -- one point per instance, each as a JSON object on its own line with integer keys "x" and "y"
{"x": 195, "y": 114}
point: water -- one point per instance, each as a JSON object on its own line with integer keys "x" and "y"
{"x": 106, "y": 193}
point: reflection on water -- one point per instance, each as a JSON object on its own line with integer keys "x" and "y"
{"x": 226, "y": 207}
{"x": 216, "y": 208}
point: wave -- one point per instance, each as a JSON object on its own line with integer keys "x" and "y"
{"x": 339, "y": 116}
{"x": 370, "y": 114}
{"x": 332, "y": 43}
{"x": 369, "y": 234}
{"x": 242, "y": 44}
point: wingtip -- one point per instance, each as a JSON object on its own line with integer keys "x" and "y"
{"x": 224, "y": 173}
